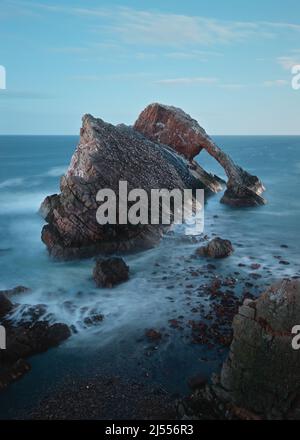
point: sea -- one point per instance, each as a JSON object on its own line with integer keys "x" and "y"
{"x": 30, "y": 169}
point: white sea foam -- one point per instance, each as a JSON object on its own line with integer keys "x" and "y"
{"x": 57, "y": 171}
{"x": 18, "y": 181}
{"x": 20, "y": 202}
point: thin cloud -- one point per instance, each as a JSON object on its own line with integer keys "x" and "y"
{"x": 276, "y": 83}
{"x": 23, "y": 94}
{"x": 113, "y": 77}
{"x": 287, "y": 62}
{"x": 232, "y": 86}
{"x": 184, "y": 81}
{"x": 134, "y": 26}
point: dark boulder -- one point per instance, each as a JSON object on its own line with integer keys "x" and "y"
{"x": 25, "y": 338}
{"x": 15, "y": 291}
{"x": 6, "y": 305}
{"x": 216, "y": 248}
{"x": 110, "y": 272}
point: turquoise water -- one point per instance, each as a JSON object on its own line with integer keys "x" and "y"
{"x": 30, "y": 168}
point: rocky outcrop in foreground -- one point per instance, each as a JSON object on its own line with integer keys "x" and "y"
{"x": 260, "y": 379}
{"x": 24, "y": 339}
{"x": 173, "y": 127}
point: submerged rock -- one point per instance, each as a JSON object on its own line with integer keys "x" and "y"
{"x": 173, "y": 127}
{"x": 153, "y": 335}
{"x": 110, "y": 272}
{"x": 216, "y": 248}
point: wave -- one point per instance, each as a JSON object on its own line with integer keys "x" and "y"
{"x": 21, "y": 202}
{"x": 18, "y": 181}
{"x": 56, "y": 171}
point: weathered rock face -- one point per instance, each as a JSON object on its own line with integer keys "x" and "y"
{"x": 216, "y": 248}
{"x": 262, "y": 371}
{"x": 260, "y": 379}
{"x": 15, "y": 291}
{"x": 48, "y": 206}
{"x": 110, "y": 272}
{"x": 5, "y": 305}
{"x": 25, "y": 339}
{"x": 162, "y": 136}
{"x": 173, "y": 127}
{"x": 106, "y": 155}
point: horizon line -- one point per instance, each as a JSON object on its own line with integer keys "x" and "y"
{"x": 232, "y": 134}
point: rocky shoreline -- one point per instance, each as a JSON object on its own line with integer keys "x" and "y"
{"x": 259, "y": 379}
{"x": 31, "y": 336}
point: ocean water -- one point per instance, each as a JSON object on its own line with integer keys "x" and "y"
{"x": 30, "y": 168}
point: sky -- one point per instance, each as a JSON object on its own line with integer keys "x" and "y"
{"x": 226, "y": 63}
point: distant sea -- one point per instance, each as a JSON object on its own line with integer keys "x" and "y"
{"x": 30, "y": 169}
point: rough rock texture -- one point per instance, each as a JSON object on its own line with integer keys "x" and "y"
{"x": 5, "y": 305}
{"x": 216, "y": 248}
{"x": 110, "y": 272}
{"x": 260, "y": 379}
{"x": 171, "y": 126}
{"x": 24, "y": 339}
{"x": 262, "y": 371}
{"x": 48, "y": 206}
{"x": 15, "y": 291}
{"x": 13, "y": 373}
{"x": 106, "y": 155}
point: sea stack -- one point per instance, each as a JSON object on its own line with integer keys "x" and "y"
{"x": 157, "y": 153}
{"x": 175, "y": 128}
{"x": 106, "y": 155}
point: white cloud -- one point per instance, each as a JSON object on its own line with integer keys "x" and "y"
{"x": 135, "y": 26}
{"x": 113, "y": 77}
{"x": 287, "y": 62}
{"x": 183, "y": 81}
{"x": 276, "y": 83}
{"x": 232, "y": 86}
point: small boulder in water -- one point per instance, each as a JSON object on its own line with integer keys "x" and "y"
{"x": 216, "y": 248}
{"x": 153, "y": 335}
{"x": 110, "y": 272}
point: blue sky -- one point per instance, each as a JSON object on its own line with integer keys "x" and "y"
{"x": 227, "y": 63}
